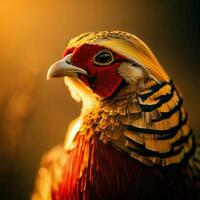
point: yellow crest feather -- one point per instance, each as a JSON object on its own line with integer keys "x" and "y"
{"x": 127, "y": 45}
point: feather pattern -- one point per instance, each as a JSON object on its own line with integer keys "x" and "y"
{"x": 137, "y": 140}
{"x": 147, "y": 131}
{"x": 85, "y": 173}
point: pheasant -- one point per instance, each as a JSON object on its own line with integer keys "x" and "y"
{"x": 132, "y": 139}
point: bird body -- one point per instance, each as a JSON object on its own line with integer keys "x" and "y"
{"x": 132, "y": 139}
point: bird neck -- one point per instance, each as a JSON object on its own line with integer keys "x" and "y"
{"x": 149, "y": 123}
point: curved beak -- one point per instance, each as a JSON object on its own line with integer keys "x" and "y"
{"x": 64, "y": 67}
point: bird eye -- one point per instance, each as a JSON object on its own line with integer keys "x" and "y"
{"x": 104, "y": 57}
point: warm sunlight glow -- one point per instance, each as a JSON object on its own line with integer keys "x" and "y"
{"x": 80, "y": 92}
{"x": 71, "y": 134}
{"x": 83, "y": 94}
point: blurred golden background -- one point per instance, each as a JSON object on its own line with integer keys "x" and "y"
{"x": 34, "y": 113}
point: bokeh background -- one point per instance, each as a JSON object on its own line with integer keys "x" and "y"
{"x": 34, "y": 113}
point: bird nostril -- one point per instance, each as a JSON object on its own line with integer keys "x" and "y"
{"x": 68, "y": 59}
{"x": 68, "y": 62}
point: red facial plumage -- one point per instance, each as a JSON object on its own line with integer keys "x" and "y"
{"x": 103, "y": 80}
{"x": 135, "y": 145}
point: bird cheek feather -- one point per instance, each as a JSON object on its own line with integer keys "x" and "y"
{"x": 103, "y": 80}
{"x": 107, "y": 81}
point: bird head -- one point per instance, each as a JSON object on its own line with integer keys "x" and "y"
{"x": 106, "y": 61}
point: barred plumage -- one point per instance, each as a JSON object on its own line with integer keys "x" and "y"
{"x": 132, "y": 139}
{"x": 164, "y": 138}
